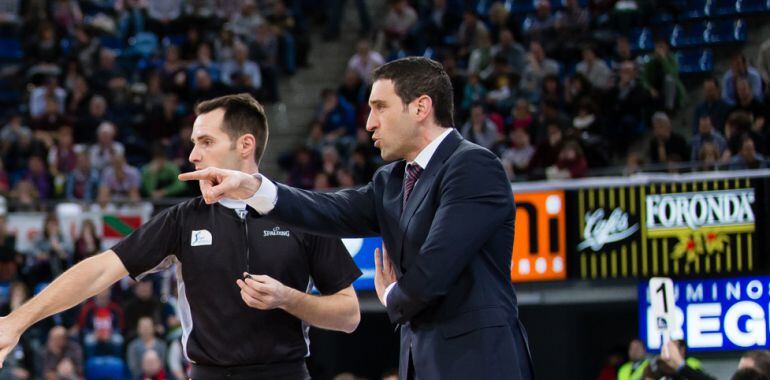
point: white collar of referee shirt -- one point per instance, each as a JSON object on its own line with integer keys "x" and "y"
{"x": 233, "y": 204}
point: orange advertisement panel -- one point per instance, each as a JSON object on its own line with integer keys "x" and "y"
{"x": 539, "y": 244}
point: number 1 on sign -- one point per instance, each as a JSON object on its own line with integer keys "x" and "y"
{"x": 662, "y": 302}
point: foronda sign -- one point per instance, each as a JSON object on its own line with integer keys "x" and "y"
{"x": 727, "y": 208}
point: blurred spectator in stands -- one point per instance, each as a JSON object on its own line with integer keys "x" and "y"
{"x": 709, "y": 157}
{"x": 294, "y": 44}
{"x": 522, "y": 117}
{"x": 637, "y": 361}
{"x": 12, "y": 132}
{"x": 82, "y": 183}
{"x": 303, "y": 169}
{"x": 364, "y": 61}
{"x": 594, "y": 69}
{"x": 111, "y": 75}
{"x": 666, "y": 145}
{"x": 240, "y": 64}
{"x": 440, "y": 24}
{"x": 120, "y": 181}
{"x": 543, "y": 25}
{"x": 87, "y": 243}
{"x": 748, "y": 158}
{"x": 745, "y": 100}
{"x": 24, "y": 197}
{"x": 576, "y": 89}
{"x": 86, "y": 126}
{"x": 763, "y": 62}
{"x": 330, "y": 163}
{"x": 739, "y": 68}
{"x": 337, "y": 116}
{"x": 737, "y": 126}
{"x": 628, "y": 106}
{"x": 571, "y": 27}
{"x": 622, "y": 53}
{"x": 142, "y": 304}
{"x": 224, "y": 46}
{"x": 513, "y": 52}
{"x": 179, "y": 149}
{"x": 58, "y": 350}
{"x": 712, "y": 106}
{"x": 344, "y": 178}
{"x": 100, "y": 324}
{"x": 756, "y": 359}
{"x": 480, "y": 60}
{"x": 361, "y": 166}
{"x": 78, "y": 98}
{"x": 516, "y": 158}
{"x": 547, "y": 152}
{"x": 335, "y": 11}
{"x": 49, "y": 120}
{"x": 204, "y": 88}
{"x": 145, "y": 341}
{"x": 571, "y": 163}
{"x": 164, "y": 121}
{"x": 660, "y": 77}
{"x": 613, "y": 360}
{"x": 173, "y": 72}
{"x": 164, "y": 16}
{"x": 42, "y": 51}
{"x": 159, "y": 176}
{"x": 152, "y": 366}
{"x": 538, "y": 67}
{"x": 634, "y": 163}
{"x": 479, "y": 129}
{"x": 50, "y": 90}
{"x": 67, "y": 15}
{"x": 323, "y": 182}
{"x": 353, "y": 91}
{"x": 102, "y": 153}
{"x": 245, "y": 22}
{"x": 399, "y": 22}
{"x": 38, "y": 176}
{"x": 133, "y": 19}
{"x": 50, "y": 255}
{"x": 10, "y": 16}
{"x": 9, "y": 257}
{"x": 204, "y": 59}
{"x": 707, "y": 134}
{"x": 473, "y": 92}
{"x": 62, "y": 158}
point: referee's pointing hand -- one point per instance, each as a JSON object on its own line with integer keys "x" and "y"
{"x": 218, "y": 183}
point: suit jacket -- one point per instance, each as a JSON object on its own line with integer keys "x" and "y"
{"x": 451, "y": 248}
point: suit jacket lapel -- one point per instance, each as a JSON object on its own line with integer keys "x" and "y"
{"x": 392, "y": 199}
{"x": 444, "y": 151}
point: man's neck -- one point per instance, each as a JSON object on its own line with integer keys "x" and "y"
{"x": 431, "y": 133}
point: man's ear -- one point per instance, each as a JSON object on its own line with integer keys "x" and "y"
{"x": 246, "y": 145}
{"x": 423, "y": 107}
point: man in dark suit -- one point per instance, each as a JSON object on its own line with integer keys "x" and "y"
{"x": 445, "y": 212}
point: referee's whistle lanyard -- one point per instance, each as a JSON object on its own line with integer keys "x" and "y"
{"x": 242, "y": 214}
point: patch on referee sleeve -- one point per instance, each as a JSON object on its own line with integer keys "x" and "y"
{"x": 200, "y": 237}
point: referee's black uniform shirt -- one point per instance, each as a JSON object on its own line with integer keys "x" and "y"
{"x": 212, "y": 247}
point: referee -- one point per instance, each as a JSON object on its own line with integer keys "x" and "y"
{"x": 243, "y": 278}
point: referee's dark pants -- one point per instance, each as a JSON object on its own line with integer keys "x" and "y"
{"x": 284, "y": 371}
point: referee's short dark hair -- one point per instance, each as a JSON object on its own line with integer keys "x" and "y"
{"x": 416, "y": 76}
{"x": 243, "y": 114}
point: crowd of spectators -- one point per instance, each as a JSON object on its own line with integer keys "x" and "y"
{"x": 561, "y": 93}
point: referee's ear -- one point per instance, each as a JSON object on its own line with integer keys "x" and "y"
{"x": 246, "y": 146}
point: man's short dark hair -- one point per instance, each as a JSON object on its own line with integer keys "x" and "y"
{"x": 416, "y": 76}
{"x": 748, "y": 374}
{"x": 243, "y": 114}
{"x": 761, "y": 359}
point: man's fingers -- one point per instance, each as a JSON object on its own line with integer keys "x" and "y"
{"x": 386, "y": 266}
{"x": 253, "y": 302}
{"x": 203, "y": 174}
{"x": 377, "y": 261}
{"x": 3, "y": 354}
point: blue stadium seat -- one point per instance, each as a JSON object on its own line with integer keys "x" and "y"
{"x": 10, "y": 49}
{"x": 695, "y": 61}
{"x": 725, "y": 7}
{"x": 641, "y": 39}
{"x": 726, "y": 31}
{"x": 39, "y": 287}
{"x": 105, "y": 367}
{"x": 113, "y": 43}
{"x": 752, "y": 6}
{"x": 520, "y": 6}
{"x": 174, "y": 39}
{"x": 696, "y": 9}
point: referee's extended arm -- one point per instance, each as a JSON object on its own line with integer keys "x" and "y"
{"x": 82, "y": 281}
